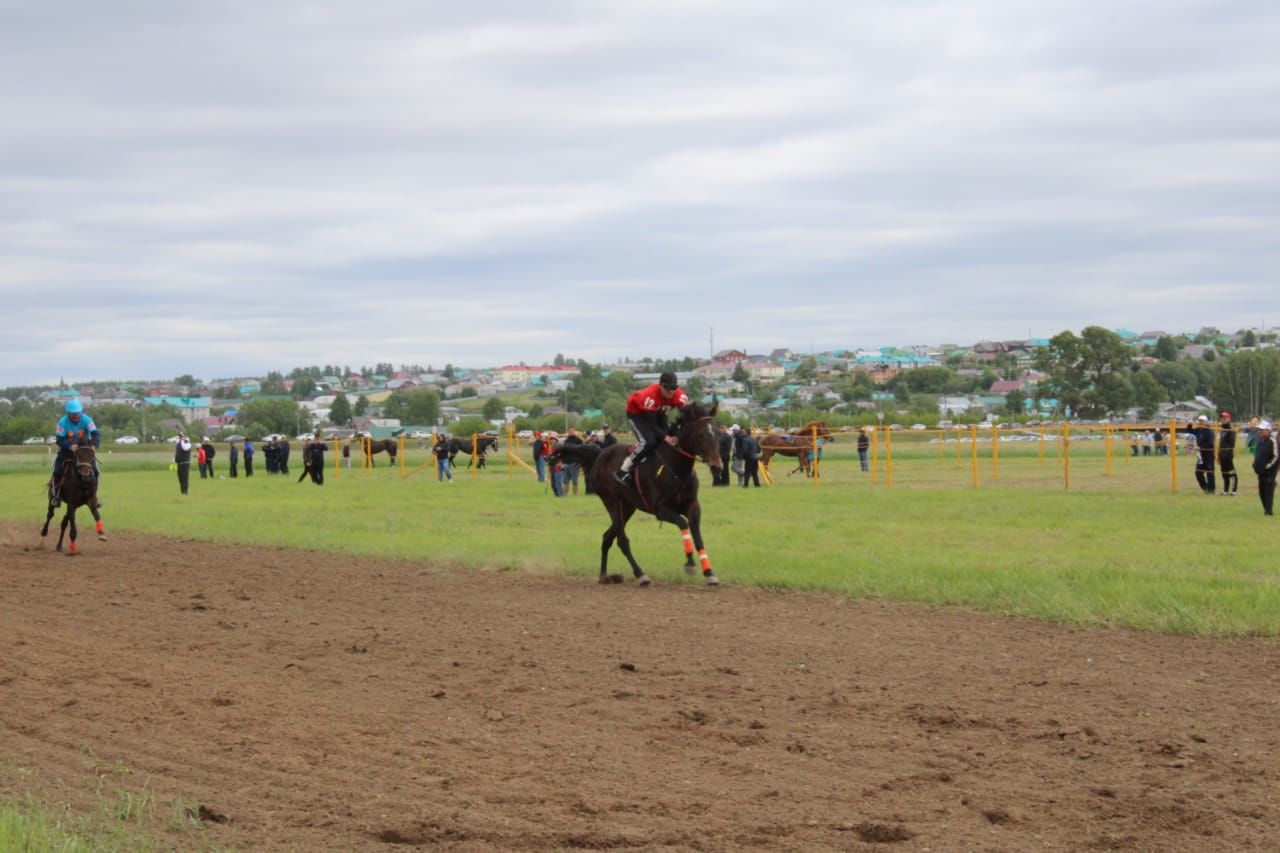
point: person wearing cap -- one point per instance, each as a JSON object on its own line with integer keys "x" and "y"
{"x": 569, "y": 479}
{"x": 182, "y": 461}
{"x": 73, "y": 429}
{"x": 864, "y": 445}
{"x": 1203, "y": 434}
{"x": 607, "y": 438}
{"x": 1265, "y": 458}
{"x": 206, "y": 444}
{"x": 1227, "y": 454}
{"x": 647, "y": 411}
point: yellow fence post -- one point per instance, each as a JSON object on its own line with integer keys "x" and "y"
{"x": 995, "y": 453}
{"x": 1106, "y": 440}
{"x": 1066, "y": 456}
{"x": 815, "y": 461}
{"x": 337, "y": 457}
{"x": 1172, "y": 444}
{"x": 888, "y": 457}
{"x": 973, "y": 453}
{"x": 875, "y": 451}
{"x": 400, "y": 443}
{"x": 958, "y": 443}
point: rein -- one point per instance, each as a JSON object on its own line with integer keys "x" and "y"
{"x": 684, "y": 452}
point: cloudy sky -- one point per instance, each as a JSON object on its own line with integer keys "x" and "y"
{"x": 227, "y": 188}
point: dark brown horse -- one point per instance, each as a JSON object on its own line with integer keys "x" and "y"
{"x": 378, "y": 445}
{"x": 77, "y": 486}
{"x": 481, "y": 443}
{"x": 798, "y": 443}
{"x": 664, "y": 485}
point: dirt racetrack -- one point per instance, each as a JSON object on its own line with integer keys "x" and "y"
{"x": 314, "y": 702}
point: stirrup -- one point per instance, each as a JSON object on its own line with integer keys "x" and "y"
{"x": 622, "y": 476}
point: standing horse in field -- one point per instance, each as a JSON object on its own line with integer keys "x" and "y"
{"x": 77, "y": 486}
{"x": 481, "y": 442}
{"x": 370, "y": 446}
{"x": 664, "y": 485}
{"x": 798, "y": 442}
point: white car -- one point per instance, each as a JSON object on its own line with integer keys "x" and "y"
{"x": 525, "y": 433}
{"x": 35, "y": 439}
{"x": 306, "y": 436}
{"x": 918, "y": 427}
{"x": 127, "y": 439}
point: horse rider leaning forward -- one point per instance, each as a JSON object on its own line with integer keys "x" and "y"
{"x": 74, "y": 429}
{"x": 647, "y": 411}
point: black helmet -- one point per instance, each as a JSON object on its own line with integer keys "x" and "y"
{"x": 668, "y": 381}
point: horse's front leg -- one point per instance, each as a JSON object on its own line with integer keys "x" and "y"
{"x": 68, "y": 519}
{"x": 97, "y": 518}
{"x": 695, "y": 528}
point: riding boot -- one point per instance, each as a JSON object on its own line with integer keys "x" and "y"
{"x": 623, "y": 474}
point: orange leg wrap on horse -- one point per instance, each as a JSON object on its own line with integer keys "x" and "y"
{"x": 687, "y": 537}
{"x": 99, "y": 525}
{"x": 73, "y": 547}
{"x": 706, "y": 561}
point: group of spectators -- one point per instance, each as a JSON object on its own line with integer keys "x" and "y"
{"x": 1218, "y": 445}
{"x": 275, "y": 451}
{"x": 563, "y": 475}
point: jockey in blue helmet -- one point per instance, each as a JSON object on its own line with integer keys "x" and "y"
{"x": 74, "y": 429}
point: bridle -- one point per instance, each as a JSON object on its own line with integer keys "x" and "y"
{"x": 691, "y": 426}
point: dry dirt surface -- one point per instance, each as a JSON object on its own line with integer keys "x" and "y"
{"x": 306, "y": 701}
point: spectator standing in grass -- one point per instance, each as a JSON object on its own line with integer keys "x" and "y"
{"x": 284, "y": 456}
{"x": 864, "y": 444}
{"x": 202, "y": 461}
{"x": 1227, "y": 454}
{"x": 751, "y": 460}
{"x": 539, "y": 448}
{"x": 571, "y": 469}
{"x": 1265, "y": 458}
{"x": 314, "y": 456}
{"x": 206, "y": 444}
{"x": 235, "y": 460}
{"x": 182, "y": 461}
{"x": 444, "y": 471}
{"x": 248, "y": 457}
{"x": 720, "y": 477}
{"x": 1203, "y": 436}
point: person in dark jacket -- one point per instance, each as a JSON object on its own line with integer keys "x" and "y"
{"x": 206, "y": 444}
{"x": 182, "y": 461}
{"x": 608, "y": 439}
{"x": 235, "y": 460}
{"x": 1227, "y": 454}
{"x": 314, "y": 456}
{"x": 1265, "y": 458}
{"x": 721, "y": 477}
{"x": 751, "y": 459}
{"x": 539, "y": 456}
{"x": 248, "y": 457}
{"x": 864, "y": 444}
{"x": 1203, "y": 434}
{"x": 282, "y": 454}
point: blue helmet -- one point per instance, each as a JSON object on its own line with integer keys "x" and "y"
{"x": 74, "y": 407}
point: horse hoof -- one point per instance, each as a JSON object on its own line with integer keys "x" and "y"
{"x": 615, "y": 578}
{"x": 712, "y": 580}
{"x": 102, "y": 537}
{"x": 690, "y": 568}
{"x": 643, "y": 580}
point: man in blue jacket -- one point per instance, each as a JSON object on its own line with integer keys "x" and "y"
{"x": 74, "y": 429}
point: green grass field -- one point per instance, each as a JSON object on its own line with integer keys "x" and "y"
{"x": 1117, "y": 549}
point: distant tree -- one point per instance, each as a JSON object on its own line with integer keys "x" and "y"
{"x": 1166, "y": 349}
{"x": 1087, "y": 373}
{"x": 494, "y": 409}
{"x": 535, "y": 411}
{"x": 448, "y": 372}
{"x": 807, "y": 369}
{"x": 1249, "y": 339}
{"x": 259, "y": 417}
{"x": 361, "y": 407}
{"x": 1015, "y": 403}
{"x": 422, "y": 406}
{"x": 340, "y": 411}
{"x": 274, "y": 383}
{"x": 558, "y": 361}
{"x": 1247, "y": 383}
{"x": 186, "y": 380}
{"x": 303, "y": 388}
{"x": 740, "y": 374}
{"x": 1148, "y": 393}
{"x": 468, "y": 392}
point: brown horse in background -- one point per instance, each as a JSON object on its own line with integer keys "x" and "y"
{"x": 664, "y": 485}
{"x": 370, "y": 446}
{"x": 798, "y": 443}
{"x": 77, "y": 486}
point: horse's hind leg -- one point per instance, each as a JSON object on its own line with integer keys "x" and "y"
{"x": 44, "y": 531}
{"x": 617, "y": 532}
{"x": 68, "y": 519}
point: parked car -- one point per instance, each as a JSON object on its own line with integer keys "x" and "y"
{"x": 918, "y": 426}
{"x": 306, "y": 436}
{"x": 35, "y": 439}
{"x": 173, "y": 439}
{"x": 525, "y": 433}
{"x": 127, "y": 439}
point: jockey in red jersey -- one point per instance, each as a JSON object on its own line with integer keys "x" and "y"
{"x": 647, "y": 411}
